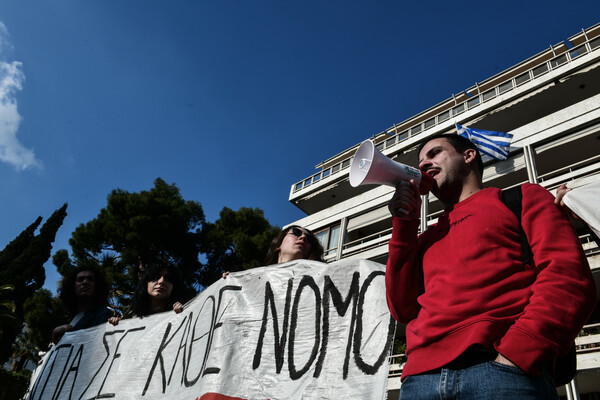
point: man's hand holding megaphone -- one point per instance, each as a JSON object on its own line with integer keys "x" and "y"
{"x": 406, "y": 202}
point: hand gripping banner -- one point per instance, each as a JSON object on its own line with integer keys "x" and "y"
{"x": 299, "y": 330}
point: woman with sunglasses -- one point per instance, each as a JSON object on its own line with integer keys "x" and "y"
{"x": 294, "y": 243}
{"x": 159, "y": 290}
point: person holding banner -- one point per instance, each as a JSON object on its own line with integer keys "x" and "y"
{"x": 482, "y": 323}
{"x": 159, "y": 290}
{"x": 84, "y": 291}
{"x": 560, "y": 193}
{"x": 294, "y": 243}
{"x": 584, "y": 200}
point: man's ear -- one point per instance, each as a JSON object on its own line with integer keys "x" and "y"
{"x": 470, "y": 155}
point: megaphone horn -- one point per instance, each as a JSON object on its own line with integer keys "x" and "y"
{"x": 370, "y": 166}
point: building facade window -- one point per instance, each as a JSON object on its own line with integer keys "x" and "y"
{"x": 329, "y": 239}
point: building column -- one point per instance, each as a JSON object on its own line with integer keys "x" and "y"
{"x": 530, "y": 164}
{"x": 572, "y": 391}
{"x": 424, "y": 212}
{"x": 342, "y": 238}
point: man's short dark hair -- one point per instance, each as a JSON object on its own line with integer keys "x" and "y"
{"x": 460, "y": 144}
{"x": 67, "y": 288}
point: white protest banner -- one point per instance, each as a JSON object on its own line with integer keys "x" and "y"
{"x": 302, "y": 329}
{"x": 583, "y": 201}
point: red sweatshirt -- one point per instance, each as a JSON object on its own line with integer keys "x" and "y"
{"x": 463, "y": 282}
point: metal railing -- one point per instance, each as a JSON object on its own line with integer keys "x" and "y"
{"x": 381, "y": 238}
{"x": 365, "y": 243}
{"x": 475, "y": 100}
{"x": 592, "y": 162}
{"x": 588, "y": 339}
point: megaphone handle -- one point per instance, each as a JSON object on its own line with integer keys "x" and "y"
{"x": 402, "y": 211}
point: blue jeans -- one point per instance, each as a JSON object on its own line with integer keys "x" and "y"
{"x": 487, "y": 380}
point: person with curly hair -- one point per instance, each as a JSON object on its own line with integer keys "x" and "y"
{"x": 84, "y": 291}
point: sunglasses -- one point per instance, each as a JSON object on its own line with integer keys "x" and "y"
{"x": 299, "y": 232}
{"x": 165, "y": 277}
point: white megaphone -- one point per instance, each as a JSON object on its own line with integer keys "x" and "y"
{"x": 370, "y": 166}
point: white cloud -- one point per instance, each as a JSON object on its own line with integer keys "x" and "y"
{"x": 4, "y": 42}
{"x": 11, "y": 79}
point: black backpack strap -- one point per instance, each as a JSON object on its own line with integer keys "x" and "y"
{"x": 565, "y": 366}
{"x": 513, "y": 199}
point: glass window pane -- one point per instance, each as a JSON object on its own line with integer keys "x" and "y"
{"x": 522, "y": 78}
{"x": 473, "y": 102}
{"x": 334, "y": 237}
{"x": 559, "y": 60}
{"x": 443, "y": 116}
{"x": 415, "y": 129}
{"x": 345, "y": 163}
{"x": 489, "y": 94}
{"x": 540, "y": 70}
{"x": 578, "y": 51}
{"x": 505, "y": 86}
{"x": 322, "y": 238}
{"x": 458, "y": 109}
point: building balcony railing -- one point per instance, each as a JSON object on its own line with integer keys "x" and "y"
{"x": 581, "y": 168}
{"x": 475, "y": 97}
{"x": 590, "y": 247}
{"x": 381, "y": 239}
{"x": 365, "y": 243}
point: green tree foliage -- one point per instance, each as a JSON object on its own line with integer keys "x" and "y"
{"x": 8, "y": 320}
{"x": 43, "y": 313}
{"x": 22, "y": 266}
{"x": 399, "y": 349}
{"x": 7, "y": 307}
{"x": 13, "y": 385}
{"x": 23, "y": 350}
{"x": 134, "y": 230}
{"x": 238, "y": 240}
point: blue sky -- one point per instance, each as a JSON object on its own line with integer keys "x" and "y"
{"x": 233, "y": 101}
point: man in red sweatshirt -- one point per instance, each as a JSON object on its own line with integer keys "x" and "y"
{"x": 481, "y": 323}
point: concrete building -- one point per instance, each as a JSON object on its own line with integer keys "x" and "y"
{"x": 549, "y": 102}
